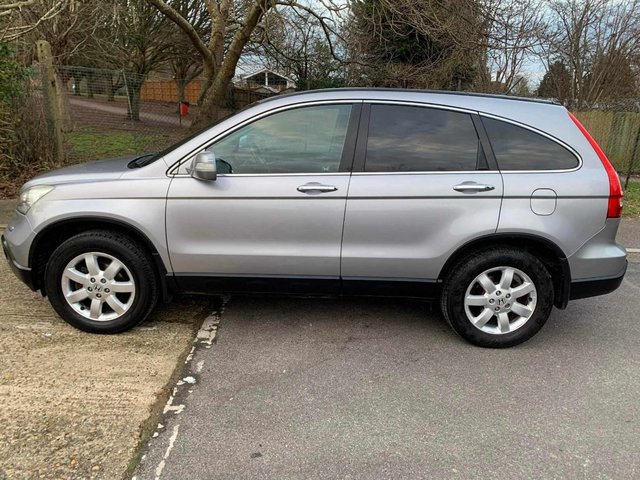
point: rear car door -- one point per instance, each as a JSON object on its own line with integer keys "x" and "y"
{"x": 272, "y": 220}
{"x": 422, "y": 186}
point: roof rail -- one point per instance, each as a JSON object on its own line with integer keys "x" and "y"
{"x": 407, "y": 90}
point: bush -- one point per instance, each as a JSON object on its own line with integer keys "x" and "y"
{"x": 25, "y": 145}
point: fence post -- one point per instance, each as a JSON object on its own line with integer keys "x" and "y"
{"x": 53, "y": 102}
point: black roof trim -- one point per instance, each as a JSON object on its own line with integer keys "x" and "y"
{"x": 404, "y": 90}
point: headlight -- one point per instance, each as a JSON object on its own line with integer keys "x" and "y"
{"x": 30, "y": 196}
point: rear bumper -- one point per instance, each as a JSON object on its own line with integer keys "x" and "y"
{"x": 23, "y": 273}
{"x": 592, "y": 287}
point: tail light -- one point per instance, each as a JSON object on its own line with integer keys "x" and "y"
{"x": 615, "y": 189}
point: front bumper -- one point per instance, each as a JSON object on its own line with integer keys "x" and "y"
{"x": 592, "y": 287}
{"x": 23, "y": 273}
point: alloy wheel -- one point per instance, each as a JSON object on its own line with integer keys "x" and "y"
{"x": 500, "y": 300}
{"x": 98, "y": 286}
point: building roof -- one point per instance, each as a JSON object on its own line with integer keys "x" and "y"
{"x": 265, "y": 70}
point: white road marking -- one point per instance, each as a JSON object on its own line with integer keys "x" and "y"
{"x": 162, "y": 463}
{"x": 633, "y": 250}
{"x": 207, "y": 333}
{"x": 170, "y": 407}
{"x": 206, "y": 336}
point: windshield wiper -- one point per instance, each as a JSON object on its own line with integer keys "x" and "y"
{"x": 140, "y": 161}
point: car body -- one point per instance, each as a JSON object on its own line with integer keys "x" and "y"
{"x": 349, "y": 191}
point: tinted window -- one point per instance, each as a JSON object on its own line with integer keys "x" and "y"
{"x": 302, "y": 140}
{"x": 418, "y": 139}
{"x": 517, "y": 148}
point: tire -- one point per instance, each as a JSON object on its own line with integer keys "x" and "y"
{"x": 510, "y": 314}
{"x": 78, "y": 277}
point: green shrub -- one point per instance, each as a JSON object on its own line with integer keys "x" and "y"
{"x": 25, "y": 147}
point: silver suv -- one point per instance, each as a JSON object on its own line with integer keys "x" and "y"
{"x": 497, "y": 208}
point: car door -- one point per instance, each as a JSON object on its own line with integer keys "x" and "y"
{"x": 422, "y": 186}
{"x": 272, "y": 220}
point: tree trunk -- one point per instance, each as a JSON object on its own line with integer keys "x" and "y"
{"x": 206, "y": 83}
{"x": 111, "y": 92}
{"x": 181, "y": 86}
{"x": 212, "y": 103}
{"x": 219, "y": 63}
{"x": 134, "y": 85}
{"x": 90, "y": 85}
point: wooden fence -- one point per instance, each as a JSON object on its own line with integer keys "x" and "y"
{"x": 167, "y": 91}
{"x": 618, "y": 133}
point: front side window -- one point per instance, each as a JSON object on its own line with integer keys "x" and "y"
{"x": 300, "y": 140}
{"x": 420, "y": 139}
{"x": 517, "y": 148}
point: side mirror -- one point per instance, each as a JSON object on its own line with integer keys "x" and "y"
{"x": 203, "y": 166}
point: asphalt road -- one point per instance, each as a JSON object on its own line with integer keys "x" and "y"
{"x": 307, "y": 389}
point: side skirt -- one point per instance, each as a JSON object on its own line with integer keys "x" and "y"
{"x": 307, "y": 286}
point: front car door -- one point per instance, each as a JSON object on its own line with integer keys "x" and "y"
{"x": 272, "y": 220}
{"x": 422, "y": 186}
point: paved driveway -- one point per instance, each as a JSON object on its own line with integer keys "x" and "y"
{"x": 383, "y": 389}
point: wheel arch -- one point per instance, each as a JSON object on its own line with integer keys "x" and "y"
{"x": 549, "y": 253}
{"x": 47, "y": 240}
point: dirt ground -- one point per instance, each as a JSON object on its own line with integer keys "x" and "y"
{"x": 75, "y": 405}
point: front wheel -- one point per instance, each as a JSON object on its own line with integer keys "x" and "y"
{"x": 497, "y": 298}
{"x": 101, "y": 282}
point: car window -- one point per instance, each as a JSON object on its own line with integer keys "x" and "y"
{"x": 517, "y": 148}
{"x": 301, "y": 140}
{"x": 419, "y": 139}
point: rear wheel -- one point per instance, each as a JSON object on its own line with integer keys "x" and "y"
{"x": 101, "y": 282}
{"x": 498, "y": 298}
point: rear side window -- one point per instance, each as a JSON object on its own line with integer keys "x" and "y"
{"x": 419, "y": 139}
{"x": 517, "y": 148}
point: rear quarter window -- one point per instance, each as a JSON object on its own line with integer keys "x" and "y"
{"x": 517, "y": 148}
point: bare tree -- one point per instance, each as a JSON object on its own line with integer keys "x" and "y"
{"x": 233, "y": 24}
{"x": 68, "y": 31}
{"x": 479, "y": 44}
{"x": 596, "y": 40}
{"x": 513, "y": 32}
{"x": 294, "y": 44}
{"x": 12, "y": 26}
{"x": 135, "y": 39}
{"x": 186, "y": 62}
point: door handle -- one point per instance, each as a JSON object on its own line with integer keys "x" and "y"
{"x": 316, "y": 187}
{"x": 473, "y": 187}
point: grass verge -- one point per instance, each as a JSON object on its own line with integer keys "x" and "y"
{"x": 632, "y": 200}
{"x": 87, "y": 146}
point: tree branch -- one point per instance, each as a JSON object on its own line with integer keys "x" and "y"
{"x": 187, "y": 28}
